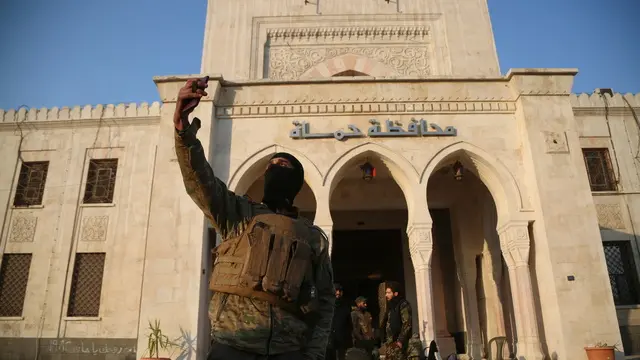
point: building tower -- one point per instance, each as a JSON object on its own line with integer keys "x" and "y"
{"x": 302, "y": 39}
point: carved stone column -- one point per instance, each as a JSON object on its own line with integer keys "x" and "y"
{"x": 515, "y": 245}
{"x": 421, "y": 250}
{"x": 323, "y": 214}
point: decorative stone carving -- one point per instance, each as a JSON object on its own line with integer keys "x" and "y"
{"x": 287, "y": 63}
{"x": 94, "y": 228}
{"x": 311, "y": 107}
{"x": 317, "y": 107}
{"x": 350, "y": 33}
{"x": 610, "y": 216}
{"x": 515, "y": 244}
{"x": 23, "y": 228}
{"x": 555, "y": 142}
{"x": 420, "y": 247}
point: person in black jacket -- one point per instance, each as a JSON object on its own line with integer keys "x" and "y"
{"x": 339, "y": 339}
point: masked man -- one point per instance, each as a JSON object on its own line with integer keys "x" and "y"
{"x": 398, "y": 323}
{"x": 272, "y": 276}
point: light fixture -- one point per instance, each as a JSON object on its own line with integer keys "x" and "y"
{"x": 368, "y": 171}
{"x": 457, "y": 170}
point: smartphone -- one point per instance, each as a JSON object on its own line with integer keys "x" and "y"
{"x": 200, "y": 84}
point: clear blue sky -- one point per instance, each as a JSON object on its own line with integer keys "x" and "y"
{"x": 77, "y": 52}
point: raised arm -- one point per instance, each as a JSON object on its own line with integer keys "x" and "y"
{"x": 222, "y": 207}
{"x": 317, "y": 344}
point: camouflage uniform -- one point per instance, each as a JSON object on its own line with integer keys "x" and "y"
{"x": 362, "y": 325}
{"x": 252, "y": 325}
{"x": 401, "y": 308}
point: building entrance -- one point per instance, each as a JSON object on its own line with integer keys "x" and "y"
{"x": 362, "y": 259}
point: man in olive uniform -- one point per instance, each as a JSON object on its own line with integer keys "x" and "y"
{"x": 398, "y": 323}
{"x": 362, "y": 326}
{"x": 272, "y": 276}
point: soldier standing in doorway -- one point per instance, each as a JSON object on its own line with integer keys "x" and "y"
{"x": 340, "y": 327}
{"x": 272, "y": 276}
{"x": 362, "y": 325}
{"x": 397, "y": 332}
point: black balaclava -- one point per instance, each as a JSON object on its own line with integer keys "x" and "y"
{"x": 282, "y": 184}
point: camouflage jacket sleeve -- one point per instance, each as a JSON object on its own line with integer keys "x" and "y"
{"x": 317, "y": 343}
{"x": 222, "y": 207}
{"x": 356, "y": 326}
{"x": 405, "y": 316}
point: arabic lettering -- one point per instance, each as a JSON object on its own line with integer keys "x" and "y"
{"x": 417, "y": 128}
{"x": 87, "y": 346}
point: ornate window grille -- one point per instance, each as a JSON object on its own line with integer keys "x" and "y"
{"x": 30, "y": 189}
{"x": 14, "y": 276}
{"x": 622, "y": 272}
{"x": 86, "y": 285}
{"x": 101, "y": 181}
{"x": 599, "y": 169}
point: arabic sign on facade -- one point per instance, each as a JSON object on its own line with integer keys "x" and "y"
{"x": 417, "y": 128}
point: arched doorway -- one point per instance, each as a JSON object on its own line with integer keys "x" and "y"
{"x": 369, "y": 242}
{"x": 472, "y": 295}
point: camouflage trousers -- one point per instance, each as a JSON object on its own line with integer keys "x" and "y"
{"x": 393, "y": 352}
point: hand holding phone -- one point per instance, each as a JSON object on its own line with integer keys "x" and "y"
{"x": 197, "y": 88}
{"x": 188, "y": 99}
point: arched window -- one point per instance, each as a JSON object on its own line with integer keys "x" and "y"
{"x": 350, "y": 73}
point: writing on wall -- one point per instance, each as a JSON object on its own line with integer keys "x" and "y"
{"x": 416, "y": 128}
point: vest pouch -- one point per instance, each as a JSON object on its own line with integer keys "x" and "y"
{"x": 257, "y": 256}
{"x": 226, "y": 267}
{"x": 298, "y": 262}
{"x": 277, "y": 266}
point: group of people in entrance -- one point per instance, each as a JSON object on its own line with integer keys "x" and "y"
{"x": 354, "y": 335}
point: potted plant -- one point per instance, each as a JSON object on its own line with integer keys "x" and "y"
{"x": 601, "y": 351}
{"x": 157, "y": 341}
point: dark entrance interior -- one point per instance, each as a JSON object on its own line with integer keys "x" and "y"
{"x": 362, "y": 259}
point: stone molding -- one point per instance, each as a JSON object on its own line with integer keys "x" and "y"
{"x": 127, "y": 113}
{"x": 594, "y": 104}
{"x": 584, "y": 100}
{"x": 363, "y": 106}
{"x": 332, "y": 33}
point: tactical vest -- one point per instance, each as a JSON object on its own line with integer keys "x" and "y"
{"x": 271, "y": 260}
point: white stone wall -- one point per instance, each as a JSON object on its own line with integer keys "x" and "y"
{"x": 615, "y": 128}
{"x": 68, "y": 138}
{"x": 156, "y": 244}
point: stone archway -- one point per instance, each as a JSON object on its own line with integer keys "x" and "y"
{"x": 369, "y": 222}
{"x": 490, "y": 247}
{"x": 496, "y": 177}
{"x": 339, "y": 64}
{"x": 402, "y": 171}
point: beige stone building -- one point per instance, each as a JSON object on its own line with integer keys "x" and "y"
{"x": 505, "y": 204}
